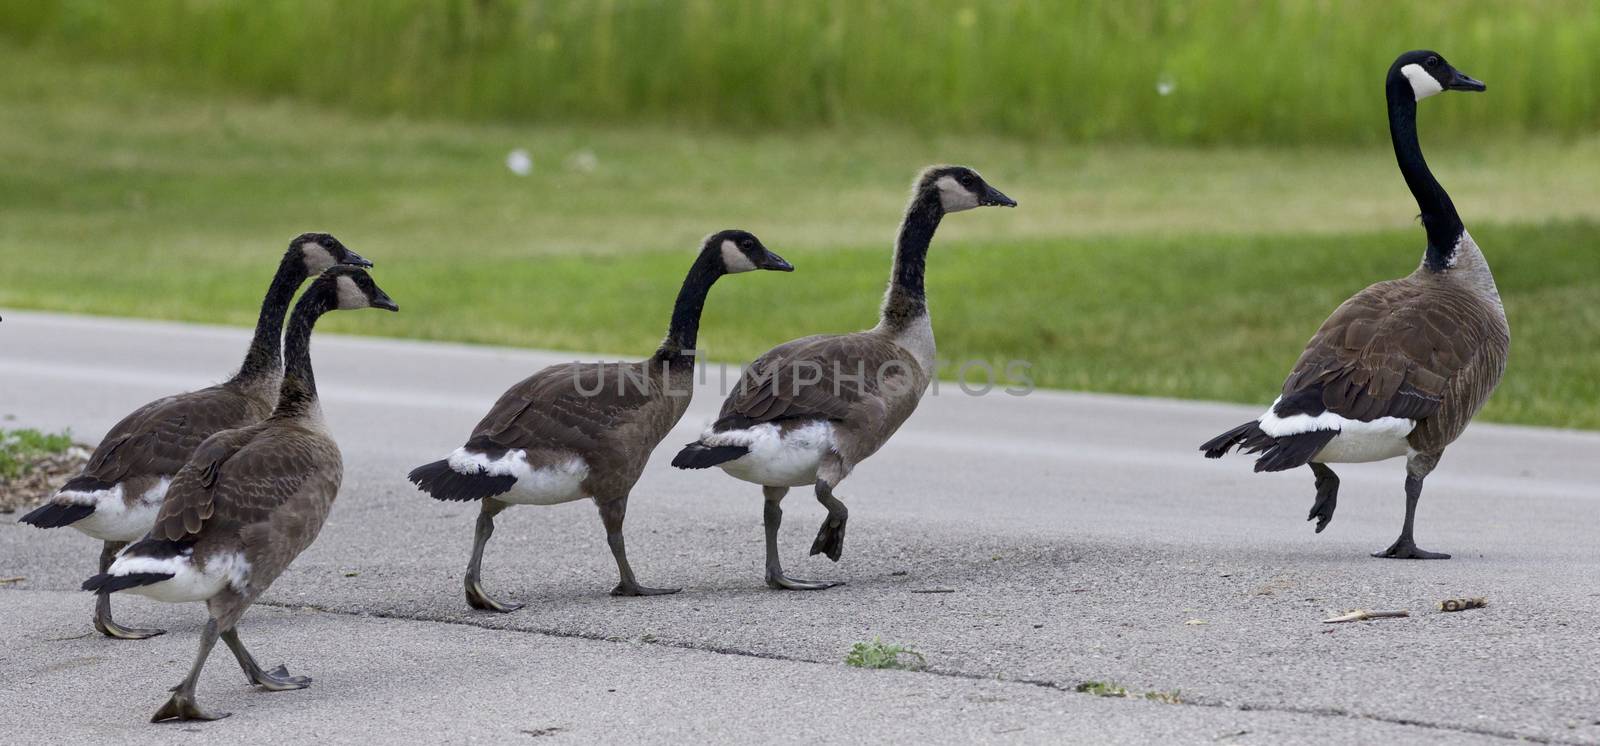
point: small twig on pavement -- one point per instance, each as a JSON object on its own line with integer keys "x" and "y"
{"x": 1361, "y": 615}
{"x": 1462, "y": 604}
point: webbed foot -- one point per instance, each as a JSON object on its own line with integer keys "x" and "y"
{"x": 1407, "y": 549}
{"x": 634, "y": 589}
{"x": 779, "y": 581}
{"x": 279, "y": 680}
{"x": 830, "y": 538}
{"x": 182, "y": 706}
{"x": 478, "y": 599}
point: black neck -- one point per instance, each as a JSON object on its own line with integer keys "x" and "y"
{"x": 907, "y": 299}
{"x": 264, "y": 358}
{"x": 299, "y": 392}
{"x": 684, "y": 332}
{"x": 1439, "y": 216}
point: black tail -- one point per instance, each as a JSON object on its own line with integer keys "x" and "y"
{"x": 444, "y": 483}
{"x": 702, "y": 456}
{"x": 1290, "y": 451}
{"x": 104, "y": 583}
{"x": 56, "y": 515}
{"x": 1277, "y": 454}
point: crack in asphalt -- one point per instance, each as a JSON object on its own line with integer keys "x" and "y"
{"x": 1328, "y": 712}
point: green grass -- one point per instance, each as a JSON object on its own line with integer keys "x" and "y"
{"x": 1241, "y": 71}
{"x": 1117, "y": 691}
{"x": 1135, "y": 269}
{"x": 21, "y": 447}
{"x": 880, "y": 654}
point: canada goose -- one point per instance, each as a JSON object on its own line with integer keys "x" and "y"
{"x": 116, "y": 497}
{"x": 246, "y": 504}
{"x": 809, "y": 410}
{"x": 585, "y": 430}
{"x": 1401, "y": 367}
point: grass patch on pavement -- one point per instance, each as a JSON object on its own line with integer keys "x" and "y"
{"x": 1196, "y": 273}
{"x": 20, "y": 448}
{"x": 880, "y": 654}
{"x": 1118, "y": 691}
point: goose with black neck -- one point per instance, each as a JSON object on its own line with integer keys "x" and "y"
{"x": 810, "y": 410}
{"x": 117, "y": 495}
{"x": 586, "y": 430}
{"x": 1401, "y": 367}
{"x": 246, "y": 504}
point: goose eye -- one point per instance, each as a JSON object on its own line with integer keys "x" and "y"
{"x": 1433, "y": 62}
{"x": 746, "y": 244}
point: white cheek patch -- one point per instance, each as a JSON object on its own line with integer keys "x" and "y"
{"x": 734, "y": 260}
{"x": 318, "y": 258}
{"x": 1422, "y": 84}
{"x": 954, "y": 197}
{"x": 350, "y": 295}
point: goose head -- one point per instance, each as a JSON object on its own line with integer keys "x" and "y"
{"x": 321, "y": 251}
{"x": 736, "y": 251}
{"x": 960, "y": 188}
{"x": 353, "y": 288}
{"x": 1428, "y": 73}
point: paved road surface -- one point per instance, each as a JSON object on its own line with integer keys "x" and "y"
{"x": 1079, "y": 538}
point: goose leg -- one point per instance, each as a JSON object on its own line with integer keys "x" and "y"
{"x": 102, "y": 604}
{"x": 476, "y": 597}
{"x": 1417, "y": 468}
{"x": 276, "y": 680}
{"x": 773, "y": 518}
{"x": 611, "y": 513}
{"x": 181, "y": 706}
{"x": 830, "y": 538}
{"x": 1327, "y": 496}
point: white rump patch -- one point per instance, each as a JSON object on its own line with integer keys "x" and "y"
{"x": 188, "y": 582}
{"x": 1357, "y": 441}
{"x": 113, "y": 518}
{"x": 954, "y": 197}
{"x": 550, "y": 485}
{"x": 1423, "y": 85}
{"x": 317, "y": 257}
{"x": 734, "y": 260}
{"x": 350, "y": 295}
{"x": 776, "y": 458}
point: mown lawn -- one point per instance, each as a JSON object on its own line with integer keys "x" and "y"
{"x": 1148, "y": 270}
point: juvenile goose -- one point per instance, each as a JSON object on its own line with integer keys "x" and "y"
{"x": 246, "y": 504}
{"x": 809, "y": 410}
{"x": 1401, "y": 367}
{"x": 116, "y": 497}
{"x": 585, "y": 430}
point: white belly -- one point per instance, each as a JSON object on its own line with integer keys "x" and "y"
{"x": 113, "y": 518}
{"x": 547, "y": 485}
{"x": 776, "y": 458}
{"x": 188, "y": 582}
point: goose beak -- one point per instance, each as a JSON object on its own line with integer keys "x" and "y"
{"x": 383, "y": 301}
{"x": 356, "y": 260}
{"x": 775, "y": 263}
{"x": 1459, "y": 81}
{"x": 993, "y": 198}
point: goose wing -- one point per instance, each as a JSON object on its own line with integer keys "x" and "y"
{"x": 159, "y": 437}
{"x": 571, "y": 406}
{"x": 828, "y": 377}
{"x": 1388, "y": 351}
{"x": 239, "y": 478}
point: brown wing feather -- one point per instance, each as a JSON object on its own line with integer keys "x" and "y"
{"x": 156, "y": 439}
{"x": 239, "y": 478}
{"x": 1388, "y": 351}
{"x": 574, "y": 406}
{"x": 821, "y": 377}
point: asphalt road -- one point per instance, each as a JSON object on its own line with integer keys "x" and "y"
{"x": 1068, "y": 538}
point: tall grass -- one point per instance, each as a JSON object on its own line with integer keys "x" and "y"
{"x": 1238, "y": 71}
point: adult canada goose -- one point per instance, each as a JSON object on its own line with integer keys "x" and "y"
{"x": 809, "y": 410}
{"x": 116, "y": 496}
{"x": 246, "y": 504}
{"x": 585, "y": 430}
{"x": 1402, "y": 366}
